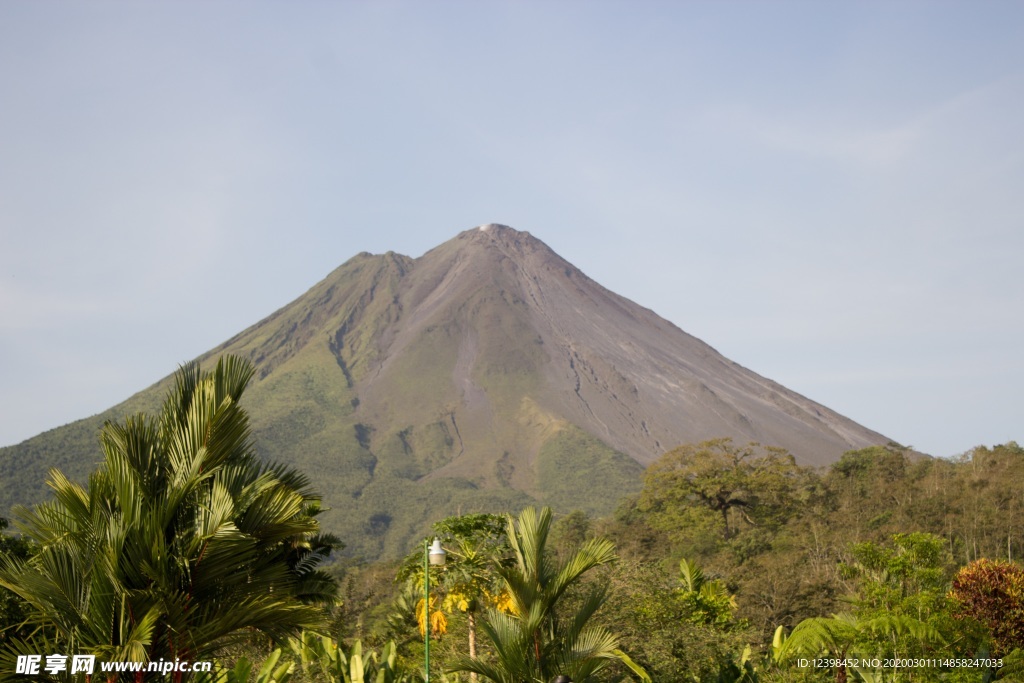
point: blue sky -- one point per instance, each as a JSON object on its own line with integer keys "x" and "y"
{"x": 828, "y": 193}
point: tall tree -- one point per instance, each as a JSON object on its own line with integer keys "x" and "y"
{"x": 181, "y": 542}
{"x": 752, "y": 485}
{"x": 471, "y": 578}
{"x": 469, "y": 582}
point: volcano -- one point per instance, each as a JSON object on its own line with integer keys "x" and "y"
{"x": 489, "y": 373}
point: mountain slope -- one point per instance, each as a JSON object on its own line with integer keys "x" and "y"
{"x": 488, "y": 373}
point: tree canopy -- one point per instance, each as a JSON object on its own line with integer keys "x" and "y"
{"x": 720, "y": 484}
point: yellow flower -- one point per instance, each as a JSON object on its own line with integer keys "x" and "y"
{"x": 438, "y": 622}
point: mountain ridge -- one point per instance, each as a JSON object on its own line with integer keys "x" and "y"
{"x": 487, "y": 373}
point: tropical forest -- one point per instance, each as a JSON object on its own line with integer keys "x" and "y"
{"x": 731, "y": 564}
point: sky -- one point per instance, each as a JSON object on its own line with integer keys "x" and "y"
{"x": 830, "y": 194}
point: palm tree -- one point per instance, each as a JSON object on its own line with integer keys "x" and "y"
{"x": 534, "y": 642}
{"x": 708, "y": 599}
{"x": 181, "y": 542}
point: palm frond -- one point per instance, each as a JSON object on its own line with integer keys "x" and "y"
{"x": 529, "y": 643}
{"x": 181, "y": 542}
{"x": 691, "y": 575}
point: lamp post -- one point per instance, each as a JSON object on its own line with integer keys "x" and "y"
{"x": 432, "y": 555}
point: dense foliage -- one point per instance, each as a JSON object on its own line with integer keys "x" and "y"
{"x": 991, "y": 592}
{"x": 181, "y": 543}
{"x": 860, "y": 558}
{"x": 731, "y": 564}
{"x": 534, "y": 639}
{"x": 734, "y": 562}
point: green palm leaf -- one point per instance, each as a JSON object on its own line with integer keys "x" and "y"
{"x": 182, "y": 542}
{"x": 532, "y": 644}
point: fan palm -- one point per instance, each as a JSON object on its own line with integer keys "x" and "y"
{"x": 181, "y": 542}
{"x": 534, "y": 642}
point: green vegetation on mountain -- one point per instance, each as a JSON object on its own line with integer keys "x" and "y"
{"x": 390, "y": 447}
{"x": 487, "y": 375}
